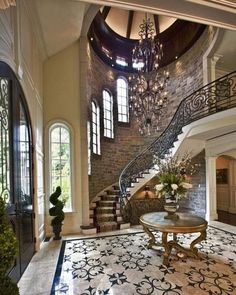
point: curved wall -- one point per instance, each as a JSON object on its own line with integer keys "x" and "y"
{"x": 186, "y": 76}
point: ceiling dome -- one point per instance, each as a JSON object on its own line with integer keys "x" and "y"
{"x": 114, "y": 33}
{"x": 126, "y": 22}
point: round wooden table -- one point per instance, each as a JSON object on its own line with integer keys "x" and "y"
{"x": 186, "y": 223}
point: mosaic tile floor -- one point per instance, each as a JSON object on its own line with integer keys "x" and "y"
{"x": 121, "y": 264}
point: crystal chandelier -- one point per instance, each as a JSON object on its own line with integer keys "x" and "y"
{"x": 147, "y": 88}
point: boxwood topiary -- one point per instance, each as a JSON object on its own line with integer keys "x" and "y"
{"x": 8, "y": 252}
{"x": 57, "y": 210}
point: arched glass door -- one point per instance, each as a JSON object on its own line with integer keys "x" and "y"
{"x": 16, "y": 166}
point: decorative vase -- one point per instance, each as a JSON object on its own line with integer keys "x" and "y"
{"x": 171, "y": 206}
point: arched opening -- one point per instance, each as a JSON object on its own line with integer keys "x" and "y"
{"x": 16, "y": 172}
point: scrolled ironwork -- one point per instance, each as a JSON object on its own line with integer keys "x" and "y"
{"x": 214, "y": 97}
{"x": 4, "y": 142}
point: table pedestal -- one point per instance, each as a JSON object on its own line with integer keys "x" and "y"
{"x": 188, "y": 224}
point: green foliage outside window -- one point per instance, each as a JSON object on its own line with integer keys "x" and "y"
{"x": 8, "y": 252}
{"x": 60, "y": 162}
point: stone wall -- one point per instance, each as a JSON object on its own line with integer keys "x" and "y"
{"x": 186, "y": 76}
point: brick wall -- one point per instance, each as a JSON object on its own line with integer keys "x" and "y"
{"x": 195, "y": 202}
{"x": 186, "y": 76}
{"x": 196, "y": 197}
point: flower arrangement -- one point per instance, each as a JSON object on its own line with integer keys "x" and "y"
{"x": 172, "y": 173}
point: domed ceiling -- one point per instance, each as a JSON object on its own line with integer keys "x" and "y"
{"x": 114, "y": 33}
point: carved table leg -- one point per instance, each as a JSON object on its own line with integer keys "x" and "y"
{"x": 152, "y": 241}
{"x": 196, "y": 241}
{"x": 175, "y": 237}
{"x": 167, "y": 248}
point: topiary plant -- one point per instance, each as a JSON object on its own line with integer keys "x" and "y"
{"x": 8, "y": 252}
{"x": 57, "y": 211}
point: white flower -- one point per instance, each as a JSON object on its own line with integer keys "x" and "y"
{"x": 186, "y": 185}
{"x": 174, "y": 186}
{"x": 159, "y": 187}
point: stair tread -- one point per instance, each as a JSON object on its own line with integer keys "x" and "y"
{"x": 110, "y": 202}
{"x": 105, "y": 208}
{"x": 107, "y": 223}
{"x": 106, "y": 214}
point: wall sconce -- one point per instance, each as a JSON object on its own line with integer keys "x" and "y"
{"x": 146, "y": 189}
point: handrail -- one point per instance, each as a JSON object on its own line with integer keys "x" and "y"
{"x": 212, "y": 98}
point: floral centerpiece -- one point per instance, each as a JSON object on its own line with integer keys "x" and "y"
{"x": 174, "y": 175}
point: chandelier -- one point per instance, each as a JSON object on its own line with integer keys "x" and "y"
{"x": 147, "y": 88}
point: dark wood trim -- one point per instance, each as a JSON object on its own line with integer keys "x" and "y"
{"x": 130, "y": 23}
{"x": 105, "y": 12}
{"x": 156, "y": 23}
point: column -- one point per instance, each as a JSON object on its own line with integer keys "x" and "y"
{"x": 232, "y": 186}
{"x": 211, "y": 206}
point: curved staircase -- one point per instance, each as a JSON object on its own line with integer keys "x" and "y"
{"x": 210, "y": 101}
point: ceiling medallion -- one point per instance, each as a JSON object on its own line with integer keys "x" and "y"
{"x": 147, "y": 88}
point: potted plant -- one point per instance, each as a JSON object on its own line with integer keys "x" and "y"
{"x": 8, "y": 252}
{"x": 173, "y": 174}
{"x": 57, "y": 211}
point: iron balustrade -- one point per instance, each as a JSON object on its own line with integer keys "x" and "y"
{"x": 212, "y": 98}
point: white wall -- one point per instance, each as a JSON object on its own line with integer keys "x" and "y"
{"x": 20, "y": 49}
{"x": 62, "y": 102}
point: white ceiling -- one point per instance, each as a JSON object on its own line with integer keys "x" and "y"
{"x": 61, "y": 21}
{"x": 120, "y": 27}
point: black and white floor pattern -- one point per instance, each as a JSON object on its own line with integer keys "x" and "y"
{"x": 122, "y": 265}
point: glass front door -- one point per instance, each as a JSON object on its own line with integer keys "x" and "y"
{"x": 16, "y": 166}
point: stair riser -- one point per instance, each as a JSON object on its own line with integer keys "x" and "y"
{"x": 107, "y": 228}
{"x": 105, "y": 218}
{"x": 106, "y": 204}
{"x": 110, "y": 198}
{"x": 105, "y": 211}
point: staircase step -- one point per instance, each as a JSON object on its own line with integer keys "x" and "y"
{"x": 105, "y": 218}
{"x": 112, "y": 192}
{"x": 116, "y": 187}
{"x": 107, "y": 203}
{"x": 107, "y": 226}
{"x": 113, "y": 198}
{"x": 123, "y": 225}
{"x": 105, "y": 210}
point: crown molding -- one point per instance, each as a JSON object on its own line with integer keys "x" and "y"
{"x": 188, "y": 10}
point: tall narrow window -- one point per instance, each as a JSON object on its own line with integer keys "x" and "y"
{"x": 108, "y": 114}
{"x": 122, "y": 100}
{"x": 89, "y": 147}
{"x": 60, "y": 162}
{"x": 95, "y": 128}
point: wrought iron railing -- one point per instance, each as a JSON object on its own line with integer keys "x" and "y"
{"x": 215, "y": 97}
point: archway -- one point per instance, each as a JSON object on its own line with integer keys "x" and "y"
{"x": 226, "y": 189}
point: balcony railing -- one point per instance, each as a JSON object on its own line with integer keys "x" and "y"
{"x": 215, "y": 97}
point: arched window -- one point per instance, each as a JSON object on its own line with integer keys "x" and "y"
{"x": 122, "y": 100}
{"x": 108, "y": 114}
{"x": 60, "y": 162}
{"x": 95, "y": 128}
